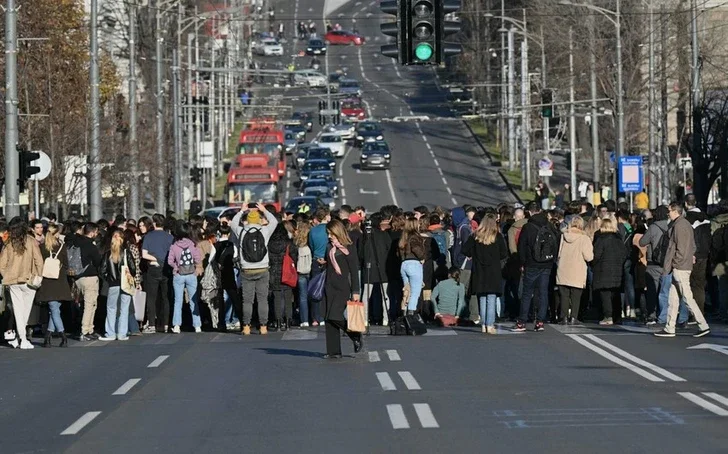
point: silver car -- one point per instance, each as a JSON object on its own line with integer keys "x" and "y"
{"x": 290, "y": 142}
{"x": 346, "y": 129}
{"x": 322, "y": 192}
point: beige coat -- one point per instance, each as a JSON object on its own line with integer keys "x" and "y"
{"x": 18, "y": 269}
{"x": 574, "y": 252}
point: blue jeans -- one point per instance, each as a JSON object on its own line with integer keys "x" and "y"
{"x": 55, "y": 324}
{"x": 411, "y": 271}
{"x": 629, "y": 294}
{"x": 230, "y": 315}
{"x": 663, "y": 300}
{"x": 117, "y": 324}
{"x": 535, "y": 283}
{"x": 303, "y": 297}
{"x": 487, "y": 309}
{"x": 179, "y": 283}
{"x": 316, "y": 269}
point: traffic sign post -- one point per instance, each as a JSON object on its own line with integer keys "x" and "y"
{"x": 44, "y": 164}
{"x": 631, "y": 176}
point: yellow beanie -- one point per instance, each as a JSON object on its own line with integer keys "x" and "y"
{"x": 254, "y": 217}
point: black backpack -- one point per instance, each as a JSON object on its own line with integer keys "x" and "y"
{"x": 659, "y": 253}
{"x": 252, "y": 245}
{"x": 545, "y": 248}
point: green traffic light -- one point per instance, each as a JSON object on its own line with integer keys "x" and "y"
{"x": 423, "y": 51}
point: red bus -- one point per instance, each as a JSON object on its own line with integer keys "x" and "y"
{"x": 253, "y": 184}
{"x": 264, "y": 141}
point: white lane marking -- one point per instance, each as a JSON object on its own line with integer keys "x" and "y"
{"x": 373, "y": 357}
{"x": 444, "y": 181}
{"x": 397, "y": 417}
{"x": 440, "y": 170}
{"x": 657, "y": 369}
{"x": 449, "y": 191}
{"x": 429, "y": 147}
{"x": 710, "y": 406}
{"x": 385, "y": 381}
{"x": 424, "y": 137}
{"x": 427, "y": 419}
{"x": 158, "y": 361}
{"x": 454, "y": 202}
{"x": 396, "y": 68}
{"x": 343, "y": 192}
{"x": 288, "y": 182}
{"x": 615, "y": 359}
{"x": 393, "y": 355}
{"x": 391, "y": 187}
{"x": 126, "y": 387}
{"x": 343, "y": 160}
{"x": 80, "y": 423}
{"x": 409, "y": 381}
{"x": 715, "y": 396}
{"x": 437, "y": 163}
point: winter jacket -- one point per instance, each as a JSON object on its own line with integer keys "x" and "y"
{"x": 374, "y": 252}
{"x": 608, "y": 264}
{"x": 487, "y": 271}
{"x": 240, "y": 231}
{"x": 527, "y": 240}
{"x": 277, "y": 246}
{"x": 318, "y": 241}
{"x": 55, "y": 289}
{"x": 575, "y": 251}
{"x": 701, "y": 229}
{"x": 225, "y": 257}
{"x": 175, "y": 253}
{"x": 18, "y": 269}
{"x": 719, "y": 245}
{"x": 414, "y": 249}
{"x": 462, "y": 229}
{"x": 394, "y": 262}
{"x": 110, "y": 272}
{"x": 651, "y": 239}
{"x": 90, "y": 255}
{"x": 681, "y": 249}
{"x": 514, "y": 233}
{"x": 449, "y": 297}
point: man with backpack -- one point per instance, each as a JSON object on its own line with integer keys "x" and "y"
{"x": 84, "y": 260}
{"x": 155, "y": 249}
{"x": 254, "y": 235}
{"x": 537, "y": 252}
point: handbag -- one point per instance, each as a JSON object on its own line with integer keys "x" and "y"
{"x": 128, "y": 285}
{"x": 140, "y": 305}
{"x": 52, "y": 266}
{"x": 316, "y": 286}
{"x": 35, "y": 282}
{"x": 289, "y": 276}
{"x": 355, "y": 318}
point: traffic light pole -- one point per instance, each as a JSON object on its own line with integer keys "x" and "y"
{"x": 572, "y": 117}
{"x": 597, "y": 153}
{"x": 511, "y": 102}
{"x": 525, "y": 119}
{"x": 12, "y": 195}
{"x": 94, "y": 162}
{"x": 134, "y": 186}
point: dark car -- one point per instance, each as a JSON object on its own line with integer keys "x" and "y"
{"x": 298, "y": 129}
{"x": 321, "y": 153}
{"x": 305, "y": 118}
{"x": 375, "y": 155}
{"x": 330, "y": 178}
{"x": 304, "y": 205}
{"x": 301, "y": 152}
{"x": 312, "y": 165}
{"x": 349, "y": 87}
{"x": 368, "y": 131}
{"x": 316, "y": 46}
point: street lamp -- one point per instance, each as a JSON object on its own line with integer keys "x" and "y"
{"x": 615, "y": 18}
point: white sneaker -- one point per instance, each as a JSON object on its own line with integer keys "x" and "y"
{"x": 304, "y": 325}
{"x": 26, "y": 345}
{"x": 176, "y": 330}
{"x": 9, "y": 335}
{"x": 322, "y": 323}
{"x": 385, "y": 323}
{"x": 107, "y": 338}
{"x": 198, "y": 329}
{"x": 13, "y": 343}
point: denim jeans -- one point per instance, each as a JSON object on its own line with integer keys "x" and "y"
{"x": 411, "y": 271}
{"x": 488, "y": 309}
{"x": 535, "y": 284}
{"x": 629, "y": 293}
{"x": 303, "y": 297}
{"x": 314, "y": 305}
{"x": 117, "y": 313}
{"x": 55, "y": 324}
{"x": 179, "y": 284}
{"x": 230, "y": 315}
{"x": 664, "y": 298}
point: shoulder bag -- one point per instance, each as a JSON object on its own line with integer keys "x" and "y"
{"x": 128, "y": 285}
{"x": 52, "y": 266}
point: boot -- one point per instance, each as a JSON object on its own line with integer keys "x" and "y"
{"x": 273, "y": 326}
{"x": 284, "y": 324}
{"x": 64, "y": 340}
{"x": 47, "y": 340}
{"x": 410, "y": 312}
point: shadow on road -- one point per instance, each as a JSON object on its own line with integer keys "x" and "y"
{"x": 291, "y": 352}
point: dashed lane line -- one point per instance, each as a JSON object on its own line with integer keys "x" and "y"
{"x": 158, "y": 361}
{"x": 397, "y": 417}
{"x": 385, "y": 381}
{"x": 393, "y": 355}
{"x": 409, "y": 381}
{"x": 81, "y": 422}
{"x": 126, "y": 387}
{"x": 427, "y": 419}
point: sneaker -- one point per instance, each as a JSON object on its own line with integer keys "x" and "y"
{"x": 107, "y": 338}
{"x": 246, "y": 330}
{"x": 93, "y": 336}
{"x": 136, "y": 333}
{"x": 322, "y": 323}
{"x": 176, "y": 330}
{"x": 122, "y": 338}
{"x": 574, "y": 322}
{"x": 26, "y": 345}
{"x": 476, "y": 322}
{"x": 303, "y": 325}
{"x": 491, "y": 330}
{"x": 166, "y": 329}
{"x": 315, "y": 324}
{"x": 538, "y": 327}
{"x": 263, "y": 330}
{"x": 9, "y": 335}
{"x": 702, "y": 332}
{"x": 150, "y": 330}
{"x": 607, "y": 322}
{"x": 665, "y": 333}
{"x": 519, "y": 328}
{"x": 683, "y": 325}
{"x": 651, "y": 323}
{"x": 230, "y": 327}
{"x": 692, "y": 322}
{"x": 484, "y": 329}
{"x": 198, "y": 329}
{"x": 13, "y": 343}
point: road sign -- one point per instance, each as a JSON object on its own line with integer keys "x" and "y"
{"x": 631, "y": 176}
{"x": 545, "y": 167}
{"x": 44, "y": 162}
{"x": 715, "y": 347}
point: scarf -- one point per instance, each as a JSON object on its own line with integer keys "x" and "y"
{"x": 332, "y": 254}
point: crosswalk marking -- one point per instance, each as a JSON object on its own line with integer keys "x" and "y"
{"x": 373, "y": 357}
{"x": 385, "y": 381}
{"x": 393, "y": 355}
{"x": 409, "y": 381}
{"x": 427, "y": 419}
{"x": 706, "y": 404}
{"x": 397, "y": 417}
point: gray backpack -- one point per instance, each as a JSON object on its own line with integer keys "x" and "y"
{"x": 75, "y": 264}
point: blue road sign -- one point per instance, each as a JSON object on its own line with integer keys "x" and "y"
{"x": 631, "y": 175}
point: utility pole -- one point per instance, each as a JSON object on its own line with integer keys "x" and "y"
{"x": 544, "y": 86}
{"x": 12, "y": 195}
{"x": 664, "y": 157}
{"x": 596, "y": 151}
{"x": 212, "y": 116}
{"x": 134, "y": 186}
{"x": 198, "y": 118}
{"x": 525, "y": 118}
{"x": 620, "y": 102}
{"x": 505, "y": 138}
{"x": 161, "y": 164}
{"x": 700, "y": 181}
{"x": 94, "y": 164}
{"x": 511, "y": 102}
{"x": 651, "y": 115}
{"x": 572, "y": 116}
{"x": 190, "y": 112}
{"x": 178, "y": 190}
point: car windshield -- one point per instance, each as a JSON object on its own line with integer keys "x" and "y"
{"x": 351, "y": 104}
{"x": 315, "y": 165}
{"x": 312, "y": 183}
{"x": 315, "y": 43}
{"x": 299, "y": 116}
{"x": 252, "y": 192}
{"x": 330, "y": 139}
{"x": 317, "y": 192}
{"x": 368, "y": 127}
{"x": 270, "y": 43}
{"x": 320, "y": 154}
{"x": 376, "y": 148}
{"x": 328, "y": 176}
{"x": 349, "y": 84}
{"x": 290, "y": 136}
{"x": 301, "y": 205}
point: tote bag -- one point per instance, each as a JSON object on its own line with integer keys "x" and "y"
{"x": 289, "y": 276}
{"x": 52, "y": 266}
{"x": 128, "y": 285}
{"x": 355, "y": 319}
{"x": 316, "y": 286}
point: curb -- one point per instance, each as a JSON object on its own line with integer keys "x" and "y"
{"x": 490, "y": 158}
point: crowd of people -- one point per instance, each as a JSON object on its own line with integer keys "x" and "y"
{"x": 263, "y": 271}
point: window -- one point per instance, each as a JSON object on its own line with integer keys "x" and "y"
{"x": 330, "y": 139}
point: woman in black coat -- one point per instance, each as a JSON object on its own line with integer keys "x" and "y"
{"x": 55, "y": 291}
{"x": 342, "y": 285}
{"x": 607, "y": 269}
{"x": 488, "y": 250}
{"x": 281, "y": 241}
{"x": 375, "y": 245}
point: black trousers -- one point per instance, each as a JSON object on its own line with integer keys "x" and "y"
{"x": 156, "y": 284}
{"x": 611, "y": 303}
{"x": 699, "y": 281}
{"x": 333, "y": 336}
{"x": 570, "y": 298}
{"x": 283, "y": 302}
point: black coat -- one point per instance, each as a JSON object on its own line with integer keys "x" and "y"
{"x": 55, "y": 289}
{"x": 527, "y": 240}
{"x": 374, "y": 253}
{"x": 225, "y": 257}
{"x": 394, "y": 262}
{"x": 105, "y": 271}
{"x": 432, "y": 254}
{"x": 340, "y": 287}
{"x": 487, "y": 274}
{"x": 277, "y": 245}
{"x": 608, "y": 264}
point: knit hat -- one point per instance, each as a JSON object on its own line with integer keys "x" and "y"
{"x": 253, "y": 217}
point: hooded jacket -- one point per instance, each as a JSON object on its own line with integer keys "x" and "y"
{"x": 701, "y": 228}
{"x": 527, "y": 240}
{"x": 575, "y": 251}
{"x": 463, "y": 230}
{"x": 175, "y": 252}
{"x": 651, "y": 239}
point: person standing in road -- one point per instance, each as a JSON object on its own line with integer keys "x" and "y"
{"x": 55, "y": 291}
{"x": 679, "y": 260}
{"x": 575, "y": 251}
{"x": 413, "y": 254}
{"x": 317, "y": 241}
{"x": 342, "y": 284}
{"x": 186, "y": 262}
{"x": 462, "y": 226}
{"x": 303, "y": 268}
{"x": 280, "y": 245}
{"x": 703, "y": 238}
{"x": 254, "y": 261}
{"x": 155, "y": 249}
{"x": 87, "y": 278}
{"x": 20, "y": 262}
{"x": 117, "y": 264}
{"x": 608, "y": 267}
{"x": 37, "y": 230}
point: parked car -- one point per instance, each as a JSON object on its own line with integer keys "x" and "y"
{"x": 375, "y": 155}
{"x": 268, "y": 47}
{"x": 343, "y": 37}
{"x": 316, "y": 46}
{"x": 334, "y": 142}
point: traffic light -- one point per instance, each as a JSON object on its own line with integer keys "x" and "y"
{"x": 445, "y": 28}
{"x": 196, "y": 175}
{"x": 337, "y": 116}
{"x": 547, "y": 100}
{"x": 322, "y": 107}
{"x": 26, "y": 169}
{"x": 397, "y": 29}
{"x": 422, "y": 31}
